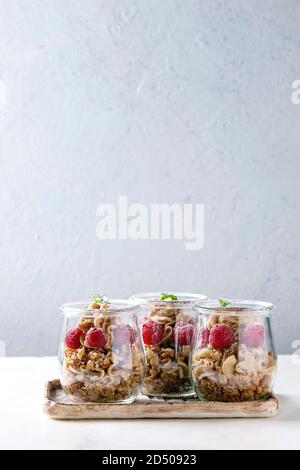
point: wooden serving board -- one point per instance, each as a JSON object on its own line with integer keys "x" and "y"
{"x": 58, "y": 405}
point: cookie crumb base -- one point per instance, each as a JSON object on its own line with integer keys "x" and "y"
{"x": 210, "y": 390}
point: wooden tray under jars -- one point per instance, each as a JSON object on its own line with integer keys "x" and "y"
{"x": 58, "y": 405}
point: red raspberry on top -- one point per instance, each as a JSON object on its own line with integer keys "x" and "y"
{"x": 203, "y": 337}
{"x": 95, "y": 338}
{"x": 183, "y": 333}
{"x": 72, "y": 339}
{"x": 221, "y": 336}
{"x": 124, "y": 334}
{"x": 152, "y": 332}
{"x": 254, "y": 335}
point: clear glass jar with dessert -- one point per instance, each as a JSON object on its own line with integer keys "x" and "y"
{"x": 233, "y": 355}
{"x": 101, "y": 355}
{"x": 167, "y": 328}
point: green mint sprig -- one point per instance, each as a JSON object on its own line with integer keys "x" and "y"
{"x": 224, "y": 303}
{"x": 165, "y": 296}
{"x": 100, "y": 299}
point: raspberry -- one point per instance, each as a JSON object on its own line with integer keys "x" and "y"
{"x": 221, "y": 336}
{"x": 124, "y": 334}
{"x": 203, "y": 337}
{"x": 72, "y": 339}
{"x": 253, "y": 335}
{"x": 95, "y": 338}
{"x": 183, "y": 333}
{"x": 152, "y": 332}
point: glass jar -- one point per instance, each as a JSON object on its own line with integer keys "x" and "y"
{"x": 233, "y": 354}
{"x": 167, "y": 325}
{"x": 101, "y": 356}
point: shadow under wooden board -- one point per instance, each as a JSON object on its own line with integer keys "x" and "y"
{"x": 58, "y": 405}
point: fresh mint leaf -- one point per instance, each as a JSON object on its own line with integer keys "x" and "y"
{"x": 164, "y": 296}
{"x": 224, "y": 303}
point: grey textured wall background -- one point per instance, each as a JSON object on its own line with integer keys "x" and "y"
{"x": 162, "y": 101}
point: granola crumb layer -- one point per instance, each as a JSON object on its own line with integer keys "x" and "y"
{"x": 166, "y": 387}
{"x": 99, "y": 393}
{"x": 210, "y": 390}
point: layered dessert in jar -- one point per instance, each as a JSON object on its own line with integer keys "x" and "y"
{"x": 167, "y": 329}
{"x": 102, "y": 358}
{"x": 233, "y": 354}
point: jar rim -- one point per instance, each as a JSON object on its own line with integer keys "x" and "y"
{"x": 183, "y": 298}
{"x": 116, "y": 306}
{"x": 234, "y": 307}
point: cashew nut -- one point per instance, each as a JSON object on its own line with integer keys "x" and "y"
{"x": 228, "y": 366}
{"x": 246, "y": 367}
{"x": 213, "y": 319}
{"x": 203, "y": 353}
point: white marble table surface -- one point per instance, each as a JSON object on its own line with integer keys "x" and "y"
{"x": 25, "y": 426}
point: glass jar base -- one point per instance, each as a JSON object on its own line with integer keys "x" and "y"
{"x": 126, "y": 401}
{"x": 190, "y": 394}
